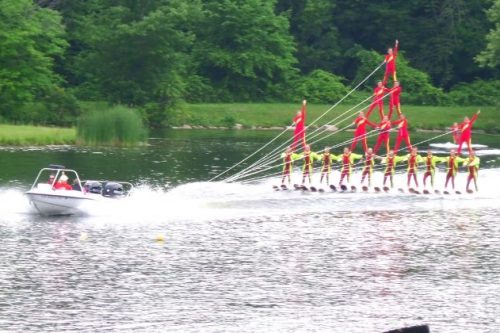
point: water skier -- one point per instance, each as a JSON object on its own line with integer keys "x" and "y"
{"x": 360, "y": 133}
{"x": 466, "y": 133}
{"x": 383, "y": 138}
{"x": 472, "y": 164}
{"x": 390, "y": 62}
{"x": 347, "y": 159}
{"x": 378, "y": 99}
{"x": 403, "y": 133}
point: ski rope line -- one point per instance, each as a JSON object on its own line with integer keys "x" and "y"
{"x": 317, "y": 119}
{"x": 272, "y": 154}
{"x": 250, "y": 171}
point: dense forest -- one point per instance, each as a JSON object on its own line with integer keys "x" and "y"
{"x": 154, "y": 54}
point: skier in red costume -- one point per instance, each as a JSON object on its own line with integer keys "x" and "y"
{"x": 466, "y": 133}
{"x": 378, "y": 99}
{"x": 385, "y": 128}
{"x": 360, "y": 133}
{"x": 390, "y": 62}
{"x": 394, "y": 100}
{"x": 403, "y": 134}
{"x": 300, "y": 128}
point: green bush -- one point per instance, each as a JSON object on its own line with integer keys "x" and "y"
{"x": 321, "y": 87}
{"x": 116, "y": 126}
{"x": 476, "y": 93}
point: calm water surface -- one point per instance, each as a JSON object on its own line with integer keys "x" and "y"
{"x": 242, "y": 258}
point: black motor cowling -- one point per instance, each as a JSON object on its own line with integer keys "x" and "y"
{"x": 93, "y": 187}
{"x": 112, "y": 189}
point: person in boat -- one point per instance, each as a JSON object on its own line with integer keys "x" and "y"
{"x": 378, "y": 99}
{"x": 360, "y": 133}
{"x": 430, "y": 166}
{"x": 394, "y": 100}
{"x": 466, "y": 133}
{"x": 452, "y": 162}
{"x": 288, "y": 158}
{"x": 472, "y": 165}
{"x": 455, "y": 132}
{"x": 347, "y": 159}
{"x": 413, "y": 160}
{"x": 309, "y": 157}
{"x": 327, "y": 158}
{"x": 299, "y": 121}
{"x": 383, "y": 138}
{"x": 390, "y": 161}
{"x": 368, "y": 162}
{"x": 51, "y": 179}
{"x": 403, "y": 134}
{"x": 390, "y": 63}
{"x": 62, "y": 183}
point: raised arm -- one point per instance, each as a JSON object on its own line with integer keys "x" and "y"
{"x": 474, "y": 117}
{"x": 396, "y": 47}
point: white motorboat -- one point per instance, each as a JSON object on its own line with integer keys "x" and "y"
{"x": 55, "y": 196}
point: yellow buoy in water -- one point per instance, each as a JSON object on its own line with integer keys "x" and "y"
{"x": 159, "y": 238}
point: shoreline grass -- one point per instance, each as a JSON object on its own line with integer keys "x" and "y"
{"x": 26, "y": 135}
{"x": 257, "y": 116}
{"x": 280, "y": 114}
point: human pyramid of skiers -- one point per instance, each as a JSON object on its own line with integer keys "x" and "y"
{"x": 461, "y": 134}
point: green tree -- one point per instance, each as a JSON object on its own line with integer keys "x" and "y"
{"x": 245, "y": 49}
{"x": 136, "y": 52}
{"x": 317, "y": 38}
{"x": 30, "y": 39}
{"x": 491, "y": 55}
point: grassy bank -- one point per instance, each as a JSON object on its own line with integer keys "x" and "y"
{"x": 23, "y": 135}
{"x": 276, "y": 114}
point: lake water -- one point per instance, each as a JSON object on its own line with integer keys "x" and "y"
{"x": 242, "y": 257}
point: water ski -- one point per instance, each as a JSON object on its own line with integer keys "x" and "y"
{"x": 365, "y": 188}
{"x": 400, "y": 190}
{"x": 276, "y": 188}
{"x": 437, "y": 192}
{"x": 320, "y": 190}
{"x": 377, "y": 189}
{"x": 458, "y": 192}
{"x": 470, "y": 191}
{"x": 313, "y": 189}
{"x": 333, "y": 188}
{"x": 304, "y": 188}
{"x": 416, "y": 191}
{"x": 427, "y": 192}
{"x": 353, "y": 188}
{"x": 446, "y": 192}
{"x": 284, "y": 187}
{"x": 386, "y": 189}
{"x": 296, "y": 186}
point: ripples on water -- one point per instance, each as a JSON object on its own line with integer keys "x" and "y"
{"x": 331, "y": 263}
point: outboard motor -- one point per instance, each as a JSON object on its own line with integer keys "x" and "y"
{"x": 112, "y": 189}
{"x": 93, "y": 187}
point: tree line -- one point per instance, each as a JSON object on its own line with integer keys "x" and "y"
{"x": 153, "y": 54}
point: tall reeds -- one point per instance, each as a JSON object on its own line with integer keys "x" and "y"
{"x": 118, "y": 126}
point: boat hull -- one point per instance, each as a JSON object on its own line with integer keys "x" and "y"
{"x": 58, "y": 204}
